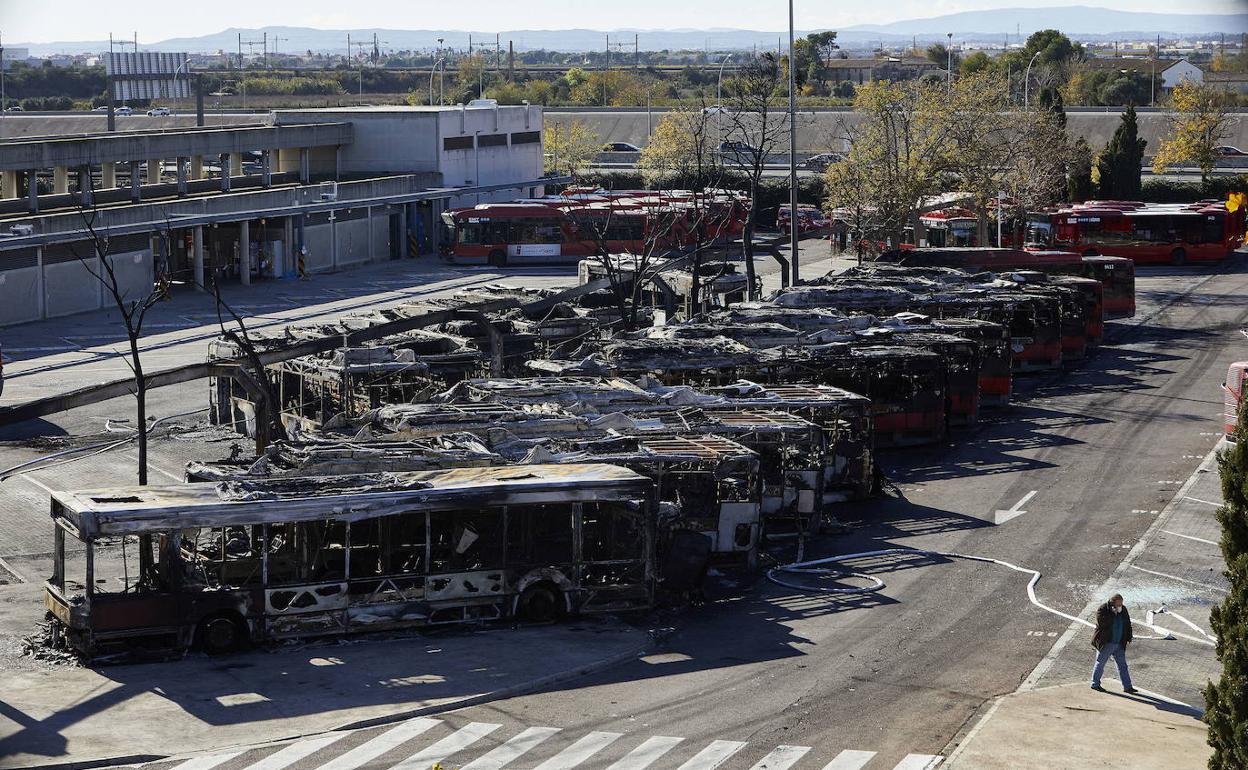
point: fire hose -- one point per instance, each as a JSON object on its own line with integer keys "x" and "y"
{"x": 821, "y": 568}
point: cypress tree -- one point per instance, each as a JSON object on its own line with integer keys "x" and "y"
{"x": 1079, "y": 178}
{"x": 1226, "y": 701}
{"x": 1119, "y": 164}
{"x": 1051, "y": 100}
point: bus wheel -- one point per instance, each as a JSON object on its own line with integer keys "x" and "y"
{"x": 540, "y": 603}
{"x": 497, "y": 258}
{"x": 1178, "y": 257}
{"x": 220, "y": 634}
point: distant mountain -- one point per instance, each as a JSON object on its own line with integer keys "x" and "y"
{"x": 1078, "y": 21}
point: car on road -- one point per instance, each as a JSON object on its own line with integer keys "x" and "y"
{"x": 1228, "y": 151}
{"x": 821, "y": 161}
{"x": 15, "y": 108}
{"x": 158, "y": 112}
{"x": 736, "y": 148}
{"x": 620, "y": 147}
{"x": 123, "y": 111}
{"x": 101, "y": 108}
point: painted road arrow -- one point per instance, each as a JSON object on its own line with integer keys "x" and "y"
{"x": 1015, "y": 510}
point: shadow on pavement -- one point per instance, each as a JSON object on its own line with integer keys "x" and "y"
{"x": 1159, "y": 703}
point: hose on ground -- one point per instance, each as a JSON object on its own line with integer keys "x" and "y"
{"x": 822, "y": 568}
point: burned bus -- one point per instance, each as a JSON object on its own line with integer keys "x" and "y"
{"x": 221, "y": 565}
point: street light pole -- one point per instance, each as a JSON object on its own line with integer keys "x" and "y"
{"x": 793, "y": 273}
{"x": 1027, "y": 80}
{"x": 436, "y": 64}
{"x": 949, "y": 65}
{"x": 719, "y": 99}
{"x": 174, "y": 111}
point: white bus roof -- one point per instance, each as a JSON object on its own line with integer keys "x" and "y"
{"x": 136, "y": 510}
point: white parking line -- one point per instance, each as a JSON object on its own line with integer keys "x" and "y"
{"x": 1181, "y": 580}
{"x": 1191, "y": 537}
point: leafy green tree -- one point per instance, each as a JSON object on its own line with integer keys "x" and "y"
{"x": 974, "y": 64}
{"x": 1119, "y": 164}
{"x": 1200, "y": 121}
{"x": 1051, "y": 100}
{"x": 1226, "y": 702}
{"x": 938, "y": 54}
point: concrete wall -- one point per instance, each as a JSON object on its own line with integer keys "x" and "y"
{"x": 820, "y": 131}
{"x": 69, "y": 287}
{"x": 134, "y": 273}
{"x": 20, "y": 293}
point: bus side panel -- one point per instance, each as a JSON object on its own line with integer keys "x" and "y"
{"x": 297, "y": 610}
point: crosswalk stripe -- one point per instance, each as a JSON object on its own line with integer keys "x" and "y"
{"x": 919, "y": 762}
{"x": 205, "y": 763}
{"x": 437, "y": 752}
{"x": 647, "y": 753}
{"x": 781, "y": 758}
{"x": 713, "y": 755}
{"x": 370, "y": 750}
{"x": 580, "y": 751}
{"x": 295, "y": 752}
{"x": 511, "y": 750}
{"x": 849, "y": 759}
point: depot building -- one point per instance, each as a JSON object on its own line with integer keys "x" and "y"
{"x": 279, "y": 195}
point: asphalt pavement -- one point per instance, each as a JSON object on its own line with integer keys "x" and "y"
{"x": 765, "y": 676}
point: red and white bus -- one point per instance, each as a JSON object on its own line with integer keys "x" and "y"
{"x": 1150, "y": 233}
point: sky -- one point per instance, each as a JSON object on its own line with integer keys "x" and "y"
{"x": 39, "y": 21}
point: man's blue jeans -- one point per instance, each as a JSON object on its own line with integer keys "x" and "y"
{"x": 1119, "y": 654}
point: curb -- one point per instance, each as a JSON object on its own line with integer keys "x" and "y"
{"x": 451, "y": 705}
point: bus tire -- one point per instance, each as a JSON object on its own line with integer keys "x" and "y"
{"x": 221, "y": 634}
{"x": 1178, "y": 257}
{"x": 540, "y": 603}
{"x": 497, "y": 258}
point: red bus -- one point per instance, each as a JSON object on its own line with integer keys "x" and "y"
{"x": 1151, "y": 233}
{"x": 500, "y": 234}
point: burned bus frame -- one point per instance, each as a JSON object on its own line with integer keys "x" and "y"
{"x": 289, "y": 558}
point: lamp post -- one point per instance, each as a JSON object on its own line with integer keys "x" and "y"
{"x": 949, "y": 64}
{"x": 1027, "y": 80}
{"x": 719, "y": 98}
{"x": 175, "y": 84}
{"x": 793, "y": 231}
{"x": 441, "y": 75}
{"x": 436, "y": 64}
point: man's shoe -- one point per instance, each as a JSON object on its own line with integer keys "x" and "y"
{"x": 1098, "y": 688}
{"x": 1131, "y": 690}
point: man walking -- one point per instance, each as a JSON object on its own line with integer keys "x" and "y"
{"x": 1112, "y": 635}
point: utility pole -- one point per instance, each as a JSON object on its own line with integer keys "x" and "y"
{"x": 793, "y": 228}
{"x": 3, "y": 103}
{"x": 240, "y": 50}
{"x": 949, "y": 66}
{"x": 636, "y": 52}
{"x": 348, "y": 59}
{"x": 1152, "y": 95}
{"x": 511, "y": 61}
{"x": 606, "y": 73}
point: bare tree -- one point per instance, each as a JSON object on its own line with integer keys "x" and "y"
{"x": 131, "y": 304}
{"x": 255, "y": 377}
{"x": 756, "y": 129}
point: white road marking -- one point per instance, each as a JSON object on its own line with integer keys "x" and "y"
{"x": 205, "y": 763}
{"x": 295, "y": 752}
{"x": 781, "y": 758}
{"x": 580, "y": 751}
{"x": 1198, "y": 500}
{"x": 437, "y": 752}
{"x": 713, "y": 755}
{"x": 919, "y": 762}
{"x": 37, "y": 482}
{"x": 370, "y": 750}
{"x": 1191, "y": 537}
{"x": 1015, "y": 510}
{"x": 850, "y": 760}
{"x": 646, "y": 754}
{"x": 512, "y": 749}
{"x": 1181, "y": 580}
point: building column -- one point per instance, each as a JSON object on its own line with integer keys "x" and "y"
{"x": 32, "y": 191}
{"x": 225, "y": 172}
{"x": 287, "y": 257}
{"x": 244, "y": 251}
{"x": 108, "y": 175}
{"x": 135, "y": 182}
{"x": 181, "y": 162}
{"x": 41, "y": 295}
{"x": 60, "y": 180}
{"x": 266, "y": 168}
{"x": 8, "y": 184}
{"x": 153, "y": 171}
{"x": 197, "y": 167}
{"x": 236, "y": 164}
{"x": 305, "y": 166}
{"x": 84, "y": 185}
{"x": 435, "y": 219}
{"x": 197, "y": 256}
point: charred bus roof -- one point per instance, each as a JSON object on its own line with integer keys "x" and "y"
{"x": 136, "y": 510}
